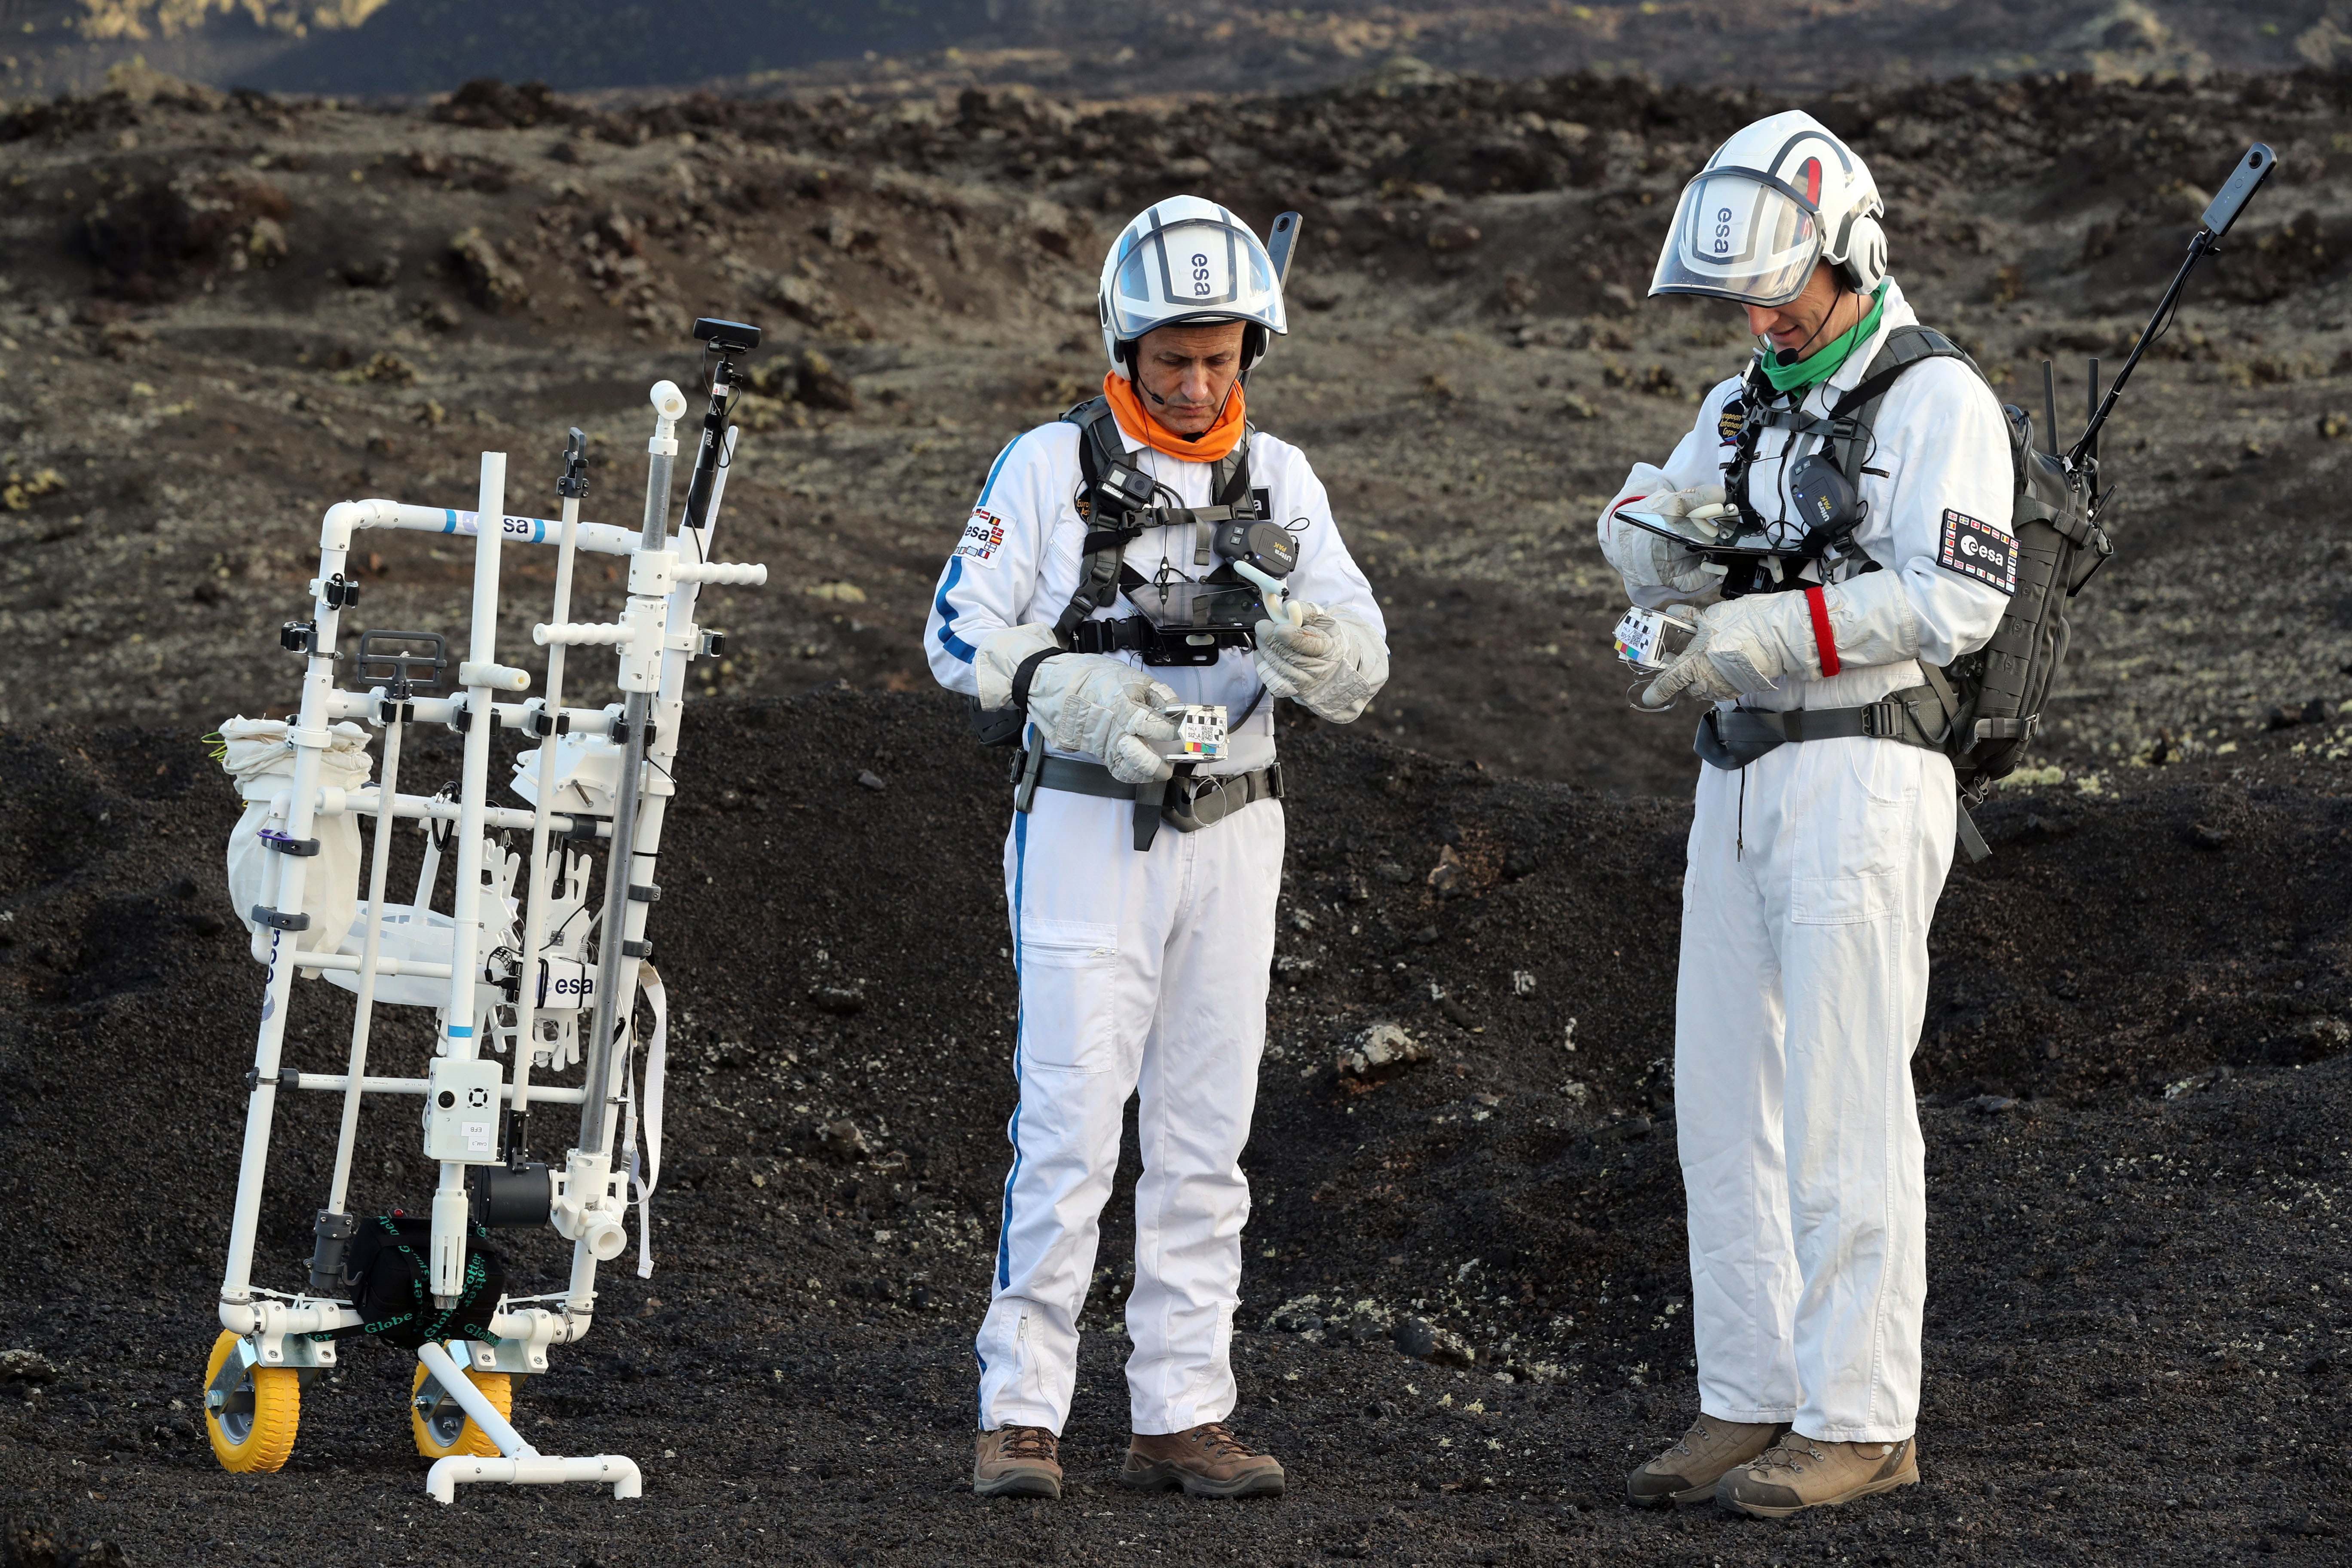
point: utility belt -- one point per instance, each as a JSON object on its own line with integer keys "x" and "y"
{"x": 1731, "y": 739}
{"x": 1187, "y": 801}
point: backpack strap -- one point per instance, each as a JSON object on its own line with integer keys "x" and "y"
{"x": 1854, "y": 412}
{"x": 1110, "y": 519}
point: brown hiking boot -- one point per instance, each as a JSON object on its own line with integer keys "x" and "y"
{"x": 1686, "y": 1474}
{"x": 1205, "y": 1460}
{"x": 1808, "y": 1472}
{"x": 1017, "y": 1461}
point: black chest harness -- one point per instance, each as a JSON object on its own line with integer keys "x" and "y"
{"x": 1184, "y": 620}
{"x": 1823, "y": 464}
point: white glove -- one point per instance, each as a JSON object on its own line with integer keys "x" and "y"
{"x": 1743, "y": 645}
{"x": 998, "y": 660}
{"x": 1647, "y": 559}
{"x": 1328, "y": 663}
{"x": 1106, "y": 708}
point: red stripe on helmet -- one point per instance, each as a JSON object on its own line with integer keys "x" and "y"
{"x": 1812, "y": 172}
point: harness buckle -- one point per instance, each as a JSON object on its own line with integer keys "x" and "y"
{"x": 1884, "y": 719}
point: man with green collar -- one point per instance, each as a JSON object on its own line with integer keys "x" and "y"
{"x": 1815, "y": 868}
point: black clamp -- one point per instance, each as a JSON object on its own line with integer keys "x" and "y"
{"x": 636, "y": 949}
{"x": 714, "y": 645}
{"x": 339, "y": 591}
{"x": 539, "y": 721}
{"x": 620, "y": 730}
{"x": 286, "y": 844}
{"x": 298, "y": 637}
{"x": 640, "y": 893}
{"x": 389, "y": 713}
{"x": 279, "y": 920}
{"x": 572, "y": 483}
{"x": 254, "y": 1080}
{"x": 461, "y": 716}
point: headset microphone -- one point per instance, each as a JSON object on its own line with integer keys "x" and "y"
{"x": 1785, "y": 358}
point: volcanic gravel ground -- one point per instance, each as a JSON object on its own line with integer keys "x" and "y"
{"x": 2135, "y": 1085}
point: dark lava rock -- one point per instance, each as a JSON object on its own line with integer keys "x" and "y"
{"x": 1414, "y": 1336}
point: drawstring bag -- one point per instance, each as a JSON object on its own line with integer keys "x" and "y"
{"x": 392, "y": 1284}
{"x": 258, "y": 757}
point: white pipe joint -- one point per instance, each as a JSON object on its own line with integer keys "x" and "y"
{"x": 497, "y": 677}
{"x": 587, "y": 1209}
{"x": 669, "y": 407}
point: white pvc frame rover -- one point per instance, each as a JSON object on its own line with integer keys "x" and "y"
{"x": 654, "y": 639}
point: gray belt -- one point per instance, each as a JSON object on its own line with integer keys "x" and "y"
{"x": 1187, "y": 802}
{"x": 1733, "y": 739}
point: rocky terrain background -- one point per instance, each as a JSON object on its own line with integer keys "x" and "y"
{"x": 1467, "y": 1310}
{"x": 1106, "y": 50}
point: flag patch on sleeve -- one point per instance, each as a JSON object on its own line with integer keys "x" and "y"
{"x": 982, "y": 536}
{"x": 1978, "y": 550}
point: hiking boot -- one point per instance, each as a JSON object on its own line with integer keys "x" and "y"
{"x": 1017, "y": 1461}
{"x": 1206, "y": 1461}
{"x": 1808, "y": 1472}
{"x": 1686, "y": 1474}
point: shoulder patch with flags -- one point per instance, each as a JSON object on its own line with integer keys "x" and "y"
{"x": 1978, "y": 550}
{"x": 982, "y": 537}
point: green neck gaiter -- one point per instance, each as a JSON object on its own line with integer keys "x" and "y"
{"x": 1823, "y": 362}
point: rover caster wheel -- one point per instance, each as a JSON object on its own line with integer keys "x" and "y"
{"x": 251, "y": 1421}
{"x": 440, "y": 1424}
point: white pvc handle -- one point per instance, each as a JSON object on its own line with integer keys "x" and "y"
{"x": 721, "y": 572}
{"x": 575, "y": 634}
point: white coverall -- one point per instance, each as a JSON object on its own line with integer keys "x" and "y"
{"x": 1813, "y": 875}
{"x": 1139, "y": 970}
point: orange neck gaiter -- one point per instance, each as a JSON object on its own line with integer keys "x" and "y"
{"x": 1208, "y": 446}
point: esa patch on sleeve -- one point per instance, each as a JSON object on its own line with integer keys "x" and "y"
{"x": 982, "y": 536}
{"x": 1978, "y": 550}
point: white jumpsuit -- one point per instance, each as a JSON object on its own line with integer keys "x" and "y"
{"x": 1139, "y": 971}
{"x": 1813, "y": 874}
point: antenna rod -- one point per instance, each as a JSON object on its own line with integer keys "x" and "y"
{"x": 2095, "y": 402}
{"x": 2089, "y": 442}
{"x": 2049, "y": 405}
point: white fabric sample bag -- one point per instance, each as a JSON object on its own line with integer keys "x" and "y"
{"x": 256, "y": 755}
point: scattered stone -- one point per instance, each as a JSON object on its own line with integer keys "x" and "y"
{"x": 2205, "y": 835}
{"x": 2334, "y": 426}
{"x": 1416, "y": 1337}
{"x": 489, "y": 278}
{"x": 1385, "y": 1044}
{"x": 868, "y": 779}
{"x": 26, "y": 1366}
{"x": 2283, "y": 717}
{"x": 1390, "y": 871}
{"x": 1444, "y": 875}
{"x": 841, "y": 1139}
{"x": 2332, "y": 1034}
{"x": 1992, "y": 1104}
{"x": 842, "y": 1000}
{"x": 378, "y": 272}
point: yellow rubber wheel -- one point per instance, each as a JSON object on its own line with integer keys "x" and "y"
{"x": 441, "y": 1426}
{"x": 252, "y": 1424}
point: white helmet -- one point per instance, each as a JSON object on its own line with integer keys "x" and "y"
{"x": 1187, "y": 261}
{"x": 1774, "y": 200}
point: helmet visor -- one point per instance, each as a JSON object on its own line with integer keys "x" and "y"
{"x": 1193, "y": 270}
{"x": 1741, "y": 235}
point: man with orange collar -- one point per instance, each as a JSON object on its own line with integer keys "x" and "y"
{"x": 1115, "y": 566}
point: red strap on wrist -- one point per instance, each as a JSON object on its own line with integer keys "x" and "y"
{"x": 1824, "y": 639}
